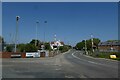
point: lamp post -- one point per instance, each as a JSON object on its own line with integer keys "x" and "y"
{"x": 44, "y": 34}
{"x": 36, "y": 33}
{"x": 16, "y": 38}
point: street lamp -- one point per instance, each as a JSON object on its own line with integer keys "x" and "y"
{"x": 44, "y": 34}
{"x": 16, "y": 38}
{"x": 36, "y": 33}
{"x": 44, "y": 30}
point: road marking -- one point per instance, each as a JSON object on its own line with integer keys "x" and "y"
{"x": 68, "y": 76}
{"x": 77, "y": 57}
{"x": 58, "y": 69}
{"x": 97, "y": 58}
{"x": 86, "y": 60}
{"x": 82, "y": 76}
{"x": 66, "y": 52}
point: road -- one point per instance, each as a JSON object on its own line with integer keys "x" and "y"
{"x": 72, "y": 64}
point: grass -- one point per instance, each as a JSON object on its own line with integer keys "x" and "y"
{"x": 106, "y": 55}
{"x": 118, "y": 59}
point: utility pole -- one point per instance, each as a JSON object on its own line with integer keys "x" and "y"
{"x": 92, "y": 43}
{"x": 86, "y": 47}
{"x": 16, "y": 38}
{"x": 58, "y": 45}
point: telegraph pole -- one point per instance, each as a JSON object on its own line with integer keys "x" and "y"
{"x": 92, "y": 43}
{"x": 16, "y": 38}
{"x": 86, "y": 48}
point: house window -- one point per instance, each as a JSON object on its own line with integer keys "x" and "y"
{"x": 54, "y": 46}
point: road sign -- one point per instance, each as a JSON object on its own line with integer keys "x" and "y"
{"x": 33, "y": 54}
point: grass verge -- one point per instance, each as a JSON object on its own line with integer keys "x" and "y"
{"x": 106, "y": 55}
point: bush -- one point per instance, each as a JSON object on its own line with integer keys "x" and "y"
{"x": 27, "y": 47}
{"x": 30, "y": 48}
{"x": 9, "y": 48}
{"x": 64, "y": 48}
{"x": 47, "y": 46}
{"x": 21, "y": 47}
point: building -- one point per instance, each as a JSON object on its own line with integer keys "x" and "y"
{"x": 109, "y": 46}
{"x": 56, "y": 44}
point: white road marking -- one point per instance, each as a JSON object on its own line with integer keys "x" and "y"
{"x": 86, "y": 60}
{"x": 82, "y": 76}
{"x": 68, "y": 76}
{"x": 58, "y": 69}
{"x": 66, "y": 52}
{"x": 97, "y": 58}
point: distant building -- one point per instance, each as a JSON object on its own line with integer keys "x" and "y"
{"x": 109, "y": 46}
{"x": 56, "y": 44}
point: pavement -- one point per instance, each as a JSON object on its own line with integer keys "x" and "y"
{"x": 72, "y": 64}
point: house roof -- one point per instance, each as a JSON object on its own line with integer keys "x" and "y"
{"x": 60, "y": 42}
{"x": 52, "y": 42}
{"x": 114, "y": 43}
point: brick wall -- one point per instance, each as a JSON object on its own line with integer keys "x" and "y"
{"x": 23, "y": 55}
{"x": 8, "y": 54}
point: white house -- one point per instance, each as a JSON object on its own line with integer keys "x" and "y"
{"x": 56, "y": 44}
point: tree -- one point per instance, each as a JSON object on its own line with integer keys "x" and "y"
{"x": 9, "y": 48}
{"x": 89, "y": 44}
{"x": 80, "y": 45}
{"x": 30, "y": 48}
{"x": 96, "y": 42}
{"x": 47, "y": 46}
{"x": 27, "y": 47}
{"x": 64, "y": 48}
{"x": 33, "y": 42}
{"x": 21, "y": 47}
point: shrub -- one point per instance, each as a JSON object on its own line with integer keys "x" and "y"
{"x": 9, "y": 48}
{"x": 64, "y": 48}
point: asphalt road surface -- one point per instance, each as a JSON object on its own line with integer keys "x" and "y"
{"x": 72, "y": 64}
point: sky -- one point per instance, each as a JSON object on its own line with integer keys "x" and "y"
{"x": 72, "y": 22}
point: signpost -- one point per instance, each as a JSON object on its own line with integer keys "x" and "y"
{"x": 33, "y": 54}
